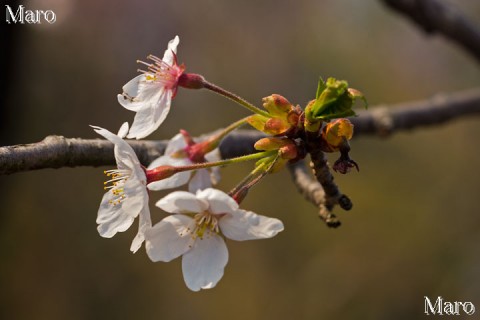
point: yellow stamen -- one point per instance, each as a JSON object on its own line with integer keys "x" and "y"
{"x": 118, "y": 179}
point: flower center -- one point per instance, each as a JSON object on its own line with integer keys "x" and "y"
{"x": 205, "y": 225}
{"x": 115, "y": 184}
{"x": 161, "y": 72}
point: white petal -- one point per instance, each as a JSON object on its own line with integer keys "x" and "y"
{"x": 149, "y": 119}
{"x": 175, "y": 144}
{"x": 119, "y": 217}
{"x": 136, "y": 197}
{"x": 124, "y": 154}
{"x": 182, "y": 202}
{"x": 131, "y": 87}
{"x": 112, "y": 137}
{"x": 169, "y": 238}
{"x": 168, "y": 57}
{"x": 199, "y": 181}
{"x": 203, "y": 265}
{"x": 149, "y": 92}
{"x": 126, "y": 159}
{"x": 144, "y": 223}
{"x": 218, "y": 201}
{"x": 215, "y": 171}
{"x": 215, "y": 175}
{"x": 119, "y": 222}
{"x": 167, "y": 160}
{"x": 129, "y": 99}
{"x": 107, "y": 210}
{"x": 213, "y": 155}
{"x": 122, "y": 132}
{"x": 247, "y": 225}
{"x": 112, "y": 219}
{"x": 177, "y": 180}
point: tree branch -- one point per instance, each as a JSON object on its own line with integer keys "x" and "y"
{"x": 57, "y": 151}
{"x": 436, "y": 16}
{"x": 385, "y": 120}
{"x": 312, "y": 191}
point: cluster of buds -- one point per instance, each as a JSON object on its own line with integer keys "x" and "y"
{"x": 323, "y": 121}
{"x": 201, "y": 218}
{"x": 282, "y": 118}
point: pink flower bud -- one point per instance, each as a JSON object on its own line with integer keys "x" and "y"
{"x": 160, "y": 173}
{"x": 288, "y": 152}
{"x": 276, "y": 126}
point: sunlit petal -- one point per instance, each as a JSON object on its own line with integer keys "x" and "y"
{"x": 247, "y": 225}
{"x": 169, "y": 238}
{"x": 182, "y": 202}
{"x": 219, "y": 202}
{"x": 203, "y": 265}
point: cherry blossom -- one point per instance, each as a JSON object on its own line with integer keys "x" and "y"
{"x": 196, "y": 230}
{"x": 127, "y": 195}
{"x": 150, "y": 94}
{"x": 177, "y": 153}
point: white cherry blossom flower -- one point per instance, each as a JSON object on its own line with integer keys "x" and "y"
{"x": 196, "y": 230}
{"x": 176, "y": 154}
{"x": 150, "y": 94}
{"x": 127, "y": 195}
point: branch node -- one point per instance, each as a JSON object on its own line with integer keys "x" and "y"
{"x": 382, "y": 121}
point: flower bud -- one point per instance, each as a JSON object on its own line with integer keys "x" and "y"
{"x": 288, "y": 152}
{"x": 276, "y": 126}
{"x": 270, "y": 143}
{"x": 311, "y": 123}
{"x": 257, "y": 121}
{"x": 293, "y": 117}
{"x": 277, "y": 105}
{"x": 196, "y": 151}
{"x": 272, "y": 126}
{"x": 336, "y": 132}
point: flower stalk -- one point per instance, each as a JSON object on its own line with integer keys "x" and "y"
{"x": 244, "y": 103}
{"x": 165, "y": 171}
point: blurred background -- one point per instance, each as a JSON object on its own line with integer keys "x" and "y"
{"x": 414, "y": 230}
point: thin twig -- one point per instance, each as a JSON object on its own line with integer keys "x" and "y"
{"x": 435, "y": 16}
{"x": 313, "y": 191}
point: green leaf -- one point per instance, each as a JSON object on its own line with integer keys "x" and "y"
{"x": 334, "y": 99}
{"x": 321, "y": 87}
